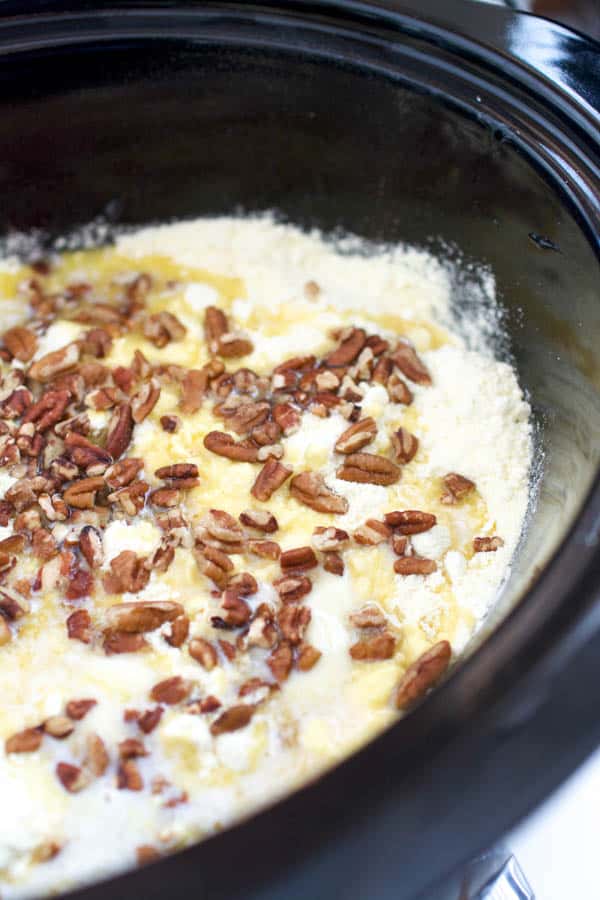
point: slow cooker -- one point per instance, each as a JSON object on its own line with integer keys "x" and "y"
{"x": 473, "y": 131}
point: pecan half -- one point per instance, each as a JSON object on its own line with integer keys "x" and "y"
{"x": 131, "y": 498}
{"x": 380, "y": 646}
{"x": 404, "y": 445}
{"x": 20, "y": 342}
{"x": 487, "y": 544}
{"x": 367, "y": 468}
{"x": 15, "y": 543}
{"x": 146, "y": 615}
{"x": 410, "y": 521}
{"x": 26, "y": 741}
{"x": 232, "y": 719}
{"x": 280, "y": 661}
{"x": 55, "y": 363}
{"x": 356, "y": 436}
{"x": 179, "y": 475}
{"x": 310, "y": 489}
{"x": 48, "y": 410}
{"x": 409, "y": 363}
{"x": 287, "y": 417}
{"x": 203, "y": 652}
{"x": 171, "y": 690}
{"x": 223, "y": 444}
{"x": 423, "y": 674}
{"x": 223, "y": 528}
{"x": 457, "y": 488}
{"x": 350, "y": 346}
{"x": 214, "y": 564}
{"x": 244, "y": 416}
{"x": 291, "y": 588}
{"x": 414, "y": 565}
{"x": 272, "y": 475}
{"x": 298, "y": 560}
{"x": 120, "y": 431}
{"x": 371, "y": 533}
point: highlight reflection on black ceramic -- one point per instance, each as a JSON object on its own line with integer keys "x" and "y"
{"x": 400, "y": 122}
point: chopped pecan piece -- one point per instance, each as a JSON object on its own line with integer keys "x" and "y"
{"x": 48, "y": 410}
{"x": 423, "y": 674}
{"x": 120, "y": 431}
{"x": 171, "y": 690}
{"x": 26, "y": 741}
{"x": 310, "y": 489}
{"x": 180, "y": 628}
{"x": 404, "y": 445}
{"x": 351, "y": 343}
{"x": 148, "y": 721}
{"x": 82, "y": 494}
{"x": 164, "y": 498}
{"x": 400, "y": 545}
{"x": 72, "y": 778}
{"x": 236, "y": 610}
{"x": 372, "y": 532}
{"x": 193, "y": 389}
{"x": 87, "y": 455}
{"x": 128, "y": 574}
{"x": 131, "y": 498}
{"x": 145, "y": 400}
{"x": 78, "y": 709}
{"x": 265, "y": 549}
{"x": 55, "y": 363}
{"x": 287, "y": 418}
{"x": 146, "y": 854}
{"x": 233, "y": 345}
{"x": 308, "y": 657}
{"x": 380, "y": 646}
{"x": 79, "y": 626}
{"x": 81, "y": 584}
{"x": 232, "y": 719}
{"x": 291, "y": 588}
{"x": 90, "y": 544}
{"x": 259, "y": 519}
{"x": 356, "y": 436}
{"x": 123, "y": 472}
{"x": 457, "y": 488}
{"x": 280, "y": 661}
{"x": 298, "y": 560}
{"x": 330, "y": 538}
{"x": 367, "y": 468}
{"x": 293, "y": 620}
{"x": 222, "y": 528}
{"x": 5, "y": 632}
{"x": 143, "y": 616}
{"x": 15, "y": 543}
{"x": 398, "y": 390}
{"x": 414, "y": 565}
{"x": 223, "y": 444}
{"x": 203, "y": 652}
{"x": 170, "y": 424}
{"x": 410, "y": 521}
{"x": 13, "y": 604}
{"x": 487, "y": 544}
{"x": 97, "y": 759}
{"x": 311, "y": 290}
{"x": 129, "y": 777}
{"x": 20, "y": 342}
{"x": 368, "y": 617}
{"x": 162, "y": 328}
{"x": 243, "y": 415}
{"x": 407, "y": 360}
{"x": 272, "y": 475}
{"x": 333, "y": 562}
{"x": 262, "y": 631}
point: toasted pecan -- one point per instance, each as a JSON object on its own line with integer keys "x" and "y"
{"x": 233, "y": 719}
{"x": 377, "y": 647}
{"x": 487, "y": 544}
{"x": 310, "y": 489}
{"x": 410, "y": 521}
{"x": 223, "y": 444}
{"x": 423, "y": 674}
{"x": 142, "y": 616}
{"x": 367, "y": 468}
{"x": 414, "y": 565}
{"x": 20, "y": 342}
{"x": 372, "y": 532}
{"x": 272, "y": 475}
{"x": 120, "y": 431}
{"x": 457, "y": 488}
{"x": 356, "y": 436}
{"x": 299, "y": 559}
{"x": 351, "y": 344}
{"x": 409, "y": 363}
{"x": 404, "y": 445}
